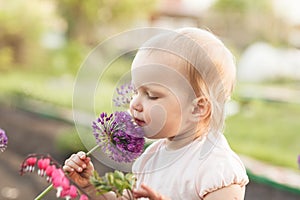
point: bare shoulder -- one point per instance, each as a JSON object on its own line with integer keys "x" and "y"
{"x": 232, "y": 192}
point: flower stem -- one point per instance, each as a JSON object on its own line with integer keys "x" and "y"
{"x": 92, "y": 150}
{"x": 41, "y": 195}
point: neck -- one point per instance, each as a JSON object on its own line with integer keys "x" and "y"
{"x": 184, "y": 139}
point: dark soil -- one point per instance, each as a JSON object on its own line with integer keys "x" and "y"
{"x": 259, "y": 191}
{"x": 30, "y": 133}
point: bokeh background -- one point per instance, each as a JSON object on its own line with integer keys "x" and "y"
{"x": 44, "y": 42}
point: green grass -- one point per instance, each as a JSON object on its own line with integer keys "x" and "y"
{"x": 57, "y": 90}
{"x": 266, "y": 131}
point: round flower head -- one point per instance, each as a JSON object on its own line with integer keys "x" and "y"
{"x": 119, "y": 136}
{"x": 3, "y": 140}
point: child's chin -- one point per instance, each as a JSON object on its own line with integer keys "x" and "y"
{"x": 150, "y": 134}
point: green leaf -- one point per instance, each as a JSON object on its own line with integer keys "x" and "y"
{"x": 110, "y": 178}
{"x": 119, "y": 175}
{"x": 113, "y": 181}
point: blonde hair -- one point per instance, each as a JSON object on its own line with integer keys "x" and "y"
{"x": 210, "y": 66}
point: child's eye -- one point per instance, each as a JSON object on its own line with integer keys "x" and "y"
{"x": 151, "y": 96}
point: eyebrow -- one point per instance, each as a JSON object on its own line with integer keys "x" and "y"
{"x": 157, "y": 89}
{"x": 145, "y": 86}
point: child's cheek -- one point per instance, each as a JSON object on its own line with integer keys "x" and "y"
{"x": 156, "y": 118}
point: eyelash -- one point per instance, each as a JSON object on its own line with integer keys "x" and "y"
{"x": 151, "y": 97}
{"x": 147, "y": 94}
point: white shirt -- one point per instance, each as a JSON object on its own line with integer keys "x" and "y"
{"x": 190, "y": 172}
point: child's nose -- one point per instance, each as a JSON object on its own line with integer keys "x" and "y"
{"x": 136, "y": 105}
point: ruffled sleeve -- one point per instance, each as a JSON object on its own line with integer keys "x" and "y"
{"x": 222, "y": 169}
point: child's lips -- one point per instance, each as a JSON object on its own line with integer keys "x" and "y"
{"x": 139, "y": 122}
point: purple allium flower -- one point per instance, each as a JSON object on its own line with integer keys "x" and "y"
{"x": 124, "y": 95}
{"x": 119, "y": 136}
{"x": 3, "y": 140}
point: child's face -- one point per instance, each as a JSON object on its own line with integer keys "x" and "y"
{"x": 162, "y": 103}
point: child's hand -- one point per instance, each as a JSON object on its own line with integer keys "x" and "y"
{"x": 146, "y": 191}
{"x": 80, "y": 168}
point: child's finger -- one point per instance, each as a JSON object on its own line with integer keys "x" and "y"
{"x": 87, "y": 160}
{"x": 151, "y": 193}
{"x": 77, "y": 160}
{"x": 139, "y": 193}
{"x": 82, "y": 155}
{"x": 146, "y": 191}
{"x": 68, "y": 169}
{"x": 74, "y": 165}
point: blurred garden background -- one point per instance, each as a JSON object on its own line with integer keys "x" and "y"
{"x": 43, "y": 43}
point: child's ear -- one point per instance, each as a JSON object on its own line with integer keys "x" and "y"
{"x": 200, "y": 109}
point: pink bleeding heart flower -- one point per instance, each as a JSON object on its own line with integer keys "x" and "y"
{"x": 83, "y": 197}
{"x": 71, "y": 193}
{"x": 49, "y": 168}
{"x": 57, "y": 174}
{"x": 60, "y": 182}
{"x": 29, "y": 164}
{"x": 42, "y": 165}
{"x": 49, "y": 171}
